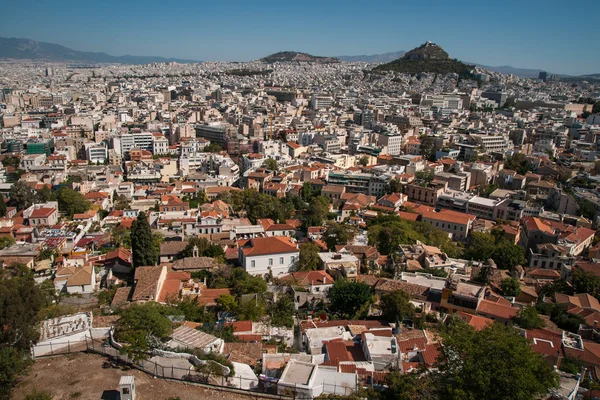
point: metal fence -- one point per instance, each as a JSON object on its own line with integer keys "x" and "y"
{"x": 259, "y": 388}
{"x": 190, "y": 375}
{"x": 58, "y": 348}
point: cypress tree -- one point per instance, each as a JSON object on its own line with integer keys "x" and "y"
{"x": 142, "y": 246}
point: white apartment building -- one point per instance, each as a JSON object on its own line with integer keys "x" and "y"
{"x": 137, "y": 140}
{"x": 96, "y": 152}
{"x": 491, "y": 143}
{"x": 393, "y": 142}
{"x": 160, "y": 145}
{"x": 319, "y": 102}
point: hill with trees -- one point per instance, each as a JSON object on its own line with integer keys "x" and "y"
{"x": 294, "y": 56}
{"x": 429, "y": 58}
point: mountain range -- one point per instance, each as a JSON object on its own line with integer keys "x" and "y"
{"x": 27, "y": 49}
{"x": 374, "y": 58}
{"x": 294, "y": 56}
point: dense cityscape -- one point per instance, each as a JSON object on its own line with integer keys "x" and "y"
{"x": 298, "y": 227}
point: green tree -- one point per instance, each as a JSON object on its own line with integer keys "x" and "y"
{"x": 364, "y": 161}
{"x": 205, "y": 249}
{"x": 44, "y": 194}
{"x": 396, "y": 306}
{"x": 282, "y": 312}
{"x": 508, "y": 255}
{"x": 481, "y": 246}
{"x": 2, "y": 207}
{"x": 21, "y": 302}
{"x": 518, "y": 162}
{"x": 427, "y": 147}
{"x": 350, "y": 299}
{"x": 227, "y": 303}
{"x": 585, "y": 282}
{"x": 250, "y": 309}
{"x": 11, "y": 161}
{"x": 121, "y": 203}
{"x": 510, "y": 287}
{"x": 6, "y": 241}
{"x": 495, "y": 363}
{"x": 121, "y": 236}
{"x": 528, "y": 318}
{"x": 21, "y": 195}
{"x": 202, "y": 197}
{"x": 244, "y": 283}
{"x": 308, "y": 260}
{"x": 139, "y": 325}
{"x": 213, "y": 148}
{"x": 143, "y": 248}
{"x": 271, "y": 164}
{"x": 71, "y": 202}
{"x": 417, "y": 385}
{"x": 307, "y": 191}
{"x": 336, "y": 234}
{"x": 394, "y": 186}
{"x": 317, "y": 212}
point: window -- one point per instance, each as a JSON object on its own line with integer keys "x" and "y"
{"x": 270, "y": 261}
{"x": 125, "y": 390}
{"x": 280, "y": 260}
{"x": 253, "y": 263}
{"x": 292, "y": 259}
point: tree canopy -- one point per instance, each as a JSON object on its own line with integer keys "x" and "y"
{"x": 388, "y": 232}
{"x": 308, "y": 259}
{"x": 271, "y": 164}
{"x": 528, "y": 318}
{"x": 396, "y": 305}
{"x": 139, "y": 325}
{"x": 518, "y": 162}
{"x": 71, "y": 202}
{"x": 143, "y": 247}
{"x": 510, "y": 287}
{"x": 585, "y": 282}
{"x": 349, "y": 299}
{"x": 259, "y": 205}
{"x": 282, "y": 312}
{"x": 213, "y": 148}
{"x": 493, "y": 363}
{"x": 21, "y": 305}
{"x": 336, "y": 234}
{"x": 205, "y": 249}
{"x": 21, "y": 195}
{"x": 483, "y": 246}
{"x": 318, "y": 210}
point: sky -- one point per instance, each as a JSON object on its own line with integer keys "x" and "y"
{"x": 557, "y": 36}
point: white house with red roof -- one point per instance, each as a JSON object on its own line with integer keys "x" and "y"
{"x": 45, "y": 214}
{"x": 260, "y": 255}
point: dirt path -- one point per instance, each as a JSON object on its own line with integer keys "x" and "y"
{"x": 84, "y": 376}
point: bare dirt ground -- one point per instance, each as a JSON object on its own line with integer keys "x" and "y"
{"x": 85, "y": 376}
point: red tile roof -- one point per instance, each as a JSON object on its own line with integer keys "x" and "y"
{"x": 267, "y": 245}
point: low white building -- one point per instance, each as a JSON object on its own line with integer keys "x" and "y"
{"x": 261, "y": 255}
{"x": 306, "y": 380}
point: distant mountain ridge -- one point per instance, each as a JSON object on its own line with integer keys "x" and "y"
{"x": 374, "y": 58}
{"x": 295, "y": 56}
{"x": 27, "y": 49}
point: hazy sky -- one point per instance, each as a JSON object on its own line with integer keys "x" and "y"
{"x": 557, "y": 36}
